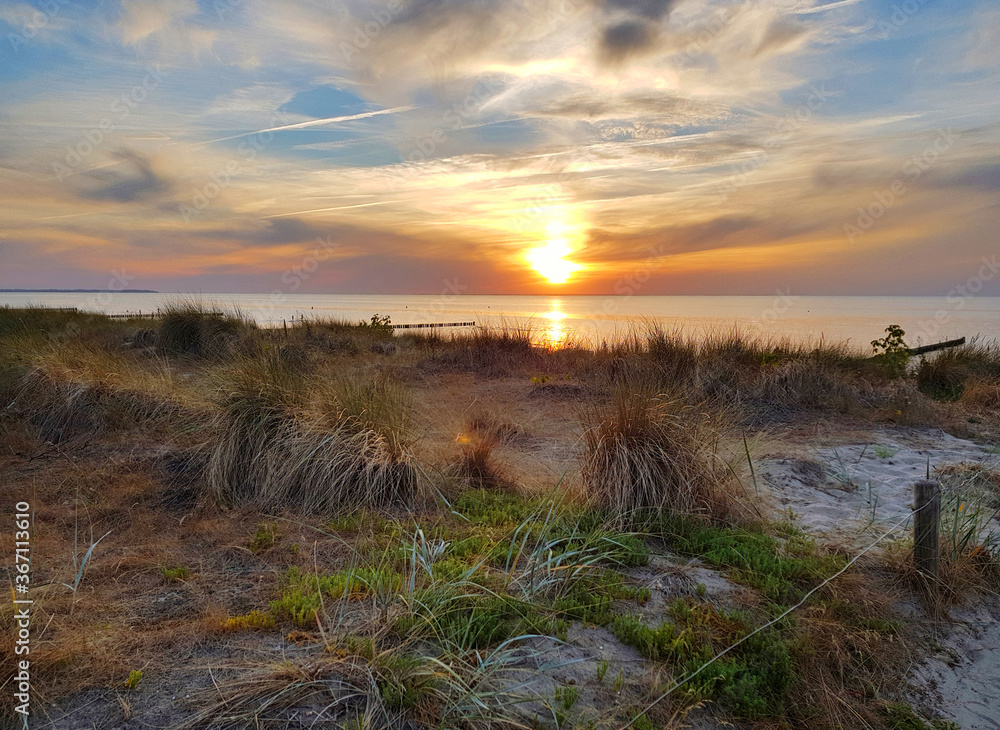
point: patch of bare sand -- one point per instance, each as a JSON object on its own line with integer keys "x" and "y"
{"x": 961, "y": 681}
{"x": 845, "y": 490}
{"x": 854, "y": 492}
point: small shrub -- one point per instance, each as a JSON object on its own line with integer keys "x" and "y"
{"x": 892, "y": 352}
{"x": 381, "y": 325}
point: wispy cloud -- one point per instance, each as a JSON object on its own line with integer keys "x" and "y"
{"x": 435, "y": 138}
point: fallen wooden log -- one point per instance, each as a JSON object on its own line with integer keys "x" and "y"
{"x": 938, "y": 346}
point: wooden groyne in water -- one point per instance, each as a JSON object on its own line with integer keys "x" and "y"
{"x": 938, "y": 346}
{"x": 431, "y": 324}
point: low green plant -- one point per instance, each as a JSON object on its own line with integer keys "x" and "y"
{"x": 642, "y": 722}
{"x": 303, "y": 595}
{"x": 360, "y": 519}
{"x": 134, "y": 677}
{"x": 496, "y": 509}
{"x": 470, "y": 620}
{"x": 619, "y": 681}
{"x": 752, "y": 681}
{"x": 403, "y": 679}
{"x": 264, "y": 538}
{"x": 902, "y": 716}
{"x": 781, "y": 569}
{"x": 567, "y": 695}
{"x": 602, "y": 669}
{"x": 253, "y": 621}
{"x": 884, "y": 452}
{"x": 177, "y": 574}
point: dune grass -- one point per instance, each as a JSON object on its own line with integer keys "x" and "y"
{"x": 282, "y": 442}
{"x": 197, "y": 329}
{"x": 651, "y": 452}
{"x": 438, "y": 601}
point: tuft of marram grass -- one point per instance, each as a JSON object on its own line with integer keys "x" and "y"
{"x": 275, "y": 449}
{"x": 83, "y": 390}
{"x": 645, "y": 452}
{"x": 500, "y": 349}
{"x": 191, "y": 328}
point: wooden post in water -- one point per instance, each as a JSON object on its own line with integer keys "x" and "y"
{"x": 926, "y": 530}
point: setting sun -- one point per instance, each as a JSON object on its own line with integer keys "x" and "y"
{"x": 550, "y": 260}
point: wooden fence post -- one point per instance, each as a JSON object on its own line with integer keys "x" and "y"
{"x": 926, "y": 530}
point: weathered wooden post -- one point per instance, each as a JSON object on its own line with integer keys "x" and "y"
{"x": 926, "y": 530}
{"x": 284, "y": 326}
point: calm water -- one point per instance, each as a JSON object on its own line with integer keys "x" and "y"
{"x": 854, "y": 319}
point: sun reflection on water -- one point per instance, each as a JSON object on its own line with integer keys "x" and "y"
{"x": 556, "y": 333}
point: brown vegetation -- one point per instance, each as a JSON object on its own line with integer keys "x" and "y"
{"x": 230, "y": 466}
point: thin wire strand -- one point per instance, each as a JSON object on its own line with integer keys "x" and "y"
{"x": 770, "y": 623}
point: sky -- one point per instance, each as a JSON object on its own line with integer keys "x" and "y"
{"x": 515, "y": 147}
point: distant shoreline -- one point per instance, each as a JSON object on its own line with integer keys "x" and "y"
{"x": 78, "y": 291}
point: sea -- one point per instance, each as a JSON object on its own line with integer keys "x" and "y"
{"x": 591, "y": 319}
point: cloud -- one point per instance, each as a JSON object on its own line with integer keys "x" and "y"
{"x": 143, "y": 18}
{"x": 166, "y": 23}
{"x": 132, "y": 179}
{"x": 646, "y": 107}
{"x": 624, "y": 40}
{"x": 981, "y": 177}
{"x": 277, "y": 231}
{"x": 780, "y": 35}
{"x": 652, "y": 9}
{"x": 633, "y": 122}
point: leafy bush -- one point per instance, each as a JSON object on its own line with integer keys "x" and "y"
{"x": 892, "y": 352}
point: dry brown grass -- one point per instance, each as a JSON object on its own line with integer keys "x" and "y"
{"x": 981, "y": 392}
{"x": 492, "y": 351}
{"x": 196, "y": 329}
{"x": 478, "y": 467}
{"x": 290, "y": 417}
{"x": 649, "y": 452}
{"x": 280, "y": 443}
{"x": 902, "y": 403}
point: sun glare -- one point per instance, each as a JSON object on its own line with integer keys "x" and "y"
{"x": 550, "y": 260}
{"x": 555, "y": 332}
